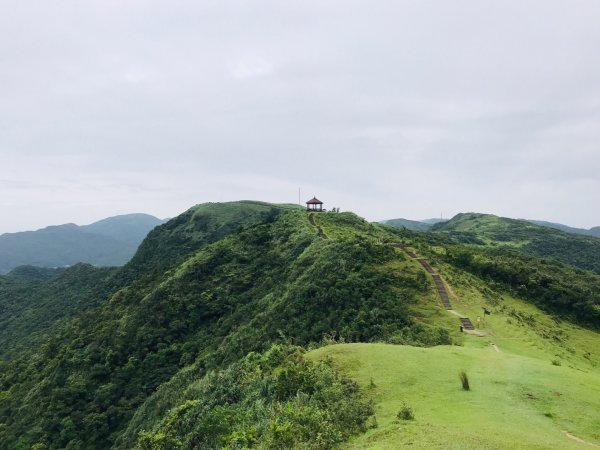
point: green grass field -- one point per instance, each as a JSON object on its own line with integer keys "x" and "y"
{"x": 539, "y": 382}
{"x": 515, "y": 401}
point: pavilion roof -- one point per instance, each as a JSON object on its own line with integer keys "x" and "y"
{"x": 314, "y": 201}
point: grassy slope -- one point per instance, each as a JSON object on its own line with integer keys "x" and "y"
{"x": 514, "y": 391}
{"x": 505, "y": 409}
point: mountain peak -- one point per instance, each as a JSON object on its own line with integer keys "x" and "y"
{"x": 107, "y": 242}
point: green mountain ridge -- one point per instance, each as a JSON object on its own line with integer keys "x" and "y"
{"x": 271, "y": 275}
{"x": 490, "y": 230}
{"x": 194, "y": 342}
{"x": 425, "y": 225}
{"x": 413, "y": 225}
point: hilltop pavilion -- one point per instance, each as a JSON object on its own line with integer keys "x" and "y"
{"x": 314, "y": 204}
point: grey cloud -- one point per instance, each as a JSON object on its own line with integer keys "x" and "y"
{"x": 392, "y": 108}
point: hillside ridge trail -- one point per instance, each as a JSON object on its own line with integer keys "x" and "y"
{"x": 466, "y": 324}
{"x": 320, "y": 231}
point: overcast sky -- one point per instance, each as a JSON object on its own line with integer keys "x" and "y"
{"x": 386, "y": 108}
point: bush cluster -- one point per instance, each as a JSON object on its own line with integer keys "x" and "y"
{"x": 277, "y": 399}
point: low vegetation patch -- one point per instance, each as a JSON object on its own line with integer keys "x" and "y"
{"x": 405, "y": 413}
{"x": 277, "y": 399}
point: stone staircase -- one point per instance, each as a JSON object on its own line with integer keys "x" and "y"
{"x": 466, "y": 323}
{"x": 439, "y": 284}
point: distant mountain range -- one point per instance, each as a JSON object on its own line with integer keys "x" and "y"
{"x": 414, "y": 225}
{"x": 108, "y": 242}
{"x": 595, "y": 231}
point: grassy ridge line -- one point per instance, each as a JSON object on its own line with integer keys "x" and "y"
{"x": 325, "y": 270}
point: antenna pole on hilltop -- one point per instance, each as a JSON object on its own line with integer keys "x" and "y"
{"x": 299, "y": 204}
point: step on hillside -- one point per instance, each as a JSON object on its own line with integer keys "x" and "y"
{"x": 439, "y": 284}
{"x": 466, "y": 323}
{"x": 426, "y": 265}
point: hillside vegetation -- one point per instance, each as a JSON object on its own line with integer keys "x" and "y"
{"x": 33, "y": 300}
{"x": 541, "y": 241}
{"x": 534, "y": 377}
{"x": 199, "y": 341}
{"x": 413, "y": 225}
{"x": 594, "y": 231}
{"x": 206, "y": 288}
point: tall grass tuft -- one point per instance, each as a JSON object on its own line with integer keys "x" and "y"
{"x": 464, "y": 380}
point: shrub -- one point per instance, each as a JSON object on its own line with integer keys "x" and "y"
{"x": 405, "y": 413}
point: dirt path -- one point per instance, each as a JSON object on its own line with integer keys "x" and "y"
{"x": 581, "y": 441}
{"x": 320, "y": 231}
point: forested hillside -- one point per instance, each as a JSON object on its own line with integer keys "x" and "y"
{"x": 207, "y": 288}
{"x": 33, "y": 300}
{"x": 194, "y": 343}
